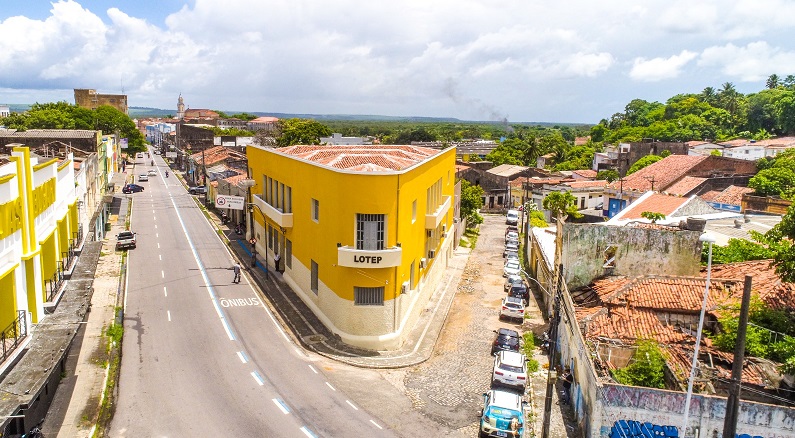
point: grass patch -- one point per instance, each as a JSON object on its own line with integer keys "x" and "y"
{"x": 527, "y": 349}
{"x": 470, "y": 237}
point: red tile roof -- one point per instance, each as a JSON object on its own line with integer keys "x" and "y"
{"x": 200, "y": 113}
{"x": 361, "y": 158}
{"x": 664, "y": 173}
{"x": 599, "y": 184}
{"x": 211, "y": 155}
{"x": 671, "y": 294}
{"x": 236, "y": 178}
{"x": 766, "y": 284}
{"x": 656, "y": 203}
{"x": 585, "y": 173}
{"x": 710, "y": 195}
{"x": 732, "y": 195}
{"x": 685, "y": 185}
{"x": 631, "y": 324}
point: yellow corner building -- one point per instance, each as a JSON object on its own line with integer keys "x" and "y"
{"x": 38, "y": 217}
{"x": 363, "y": 233}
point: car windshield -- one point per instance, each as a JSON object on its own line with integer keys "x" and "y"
{"x": 510, "y": 368}
{"x": 509, "y": 340}
{"x": 512, "y": 265}
{"x": 514, "y": 306}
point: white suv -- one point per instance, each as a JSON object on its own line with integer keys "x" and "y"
{"x": 502, "y": 415}
{"x": 510, "y": 369}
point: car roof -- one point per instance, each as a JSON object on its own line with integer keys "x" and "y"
{"x": 512, "y": 358}
{"x": 506, "y": 400}
{"x": 515, "y": 277}
{"x": 512, "y": 263}
{"x": 508, "y": 332}
{"x": 514, "y": 300}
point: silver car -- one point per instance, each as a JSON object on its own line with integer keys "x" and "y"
{"x": 512, "y": 308}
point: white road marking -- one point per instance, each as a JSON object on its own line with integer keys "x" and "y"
{"x": 280, "y": 404}
{"x": 155, "y": 226}
{"x": 376, "y": 424}
{"x": 257, "y": 377}
{"x": 313, "y": 369}
{"x": 162, "y": 274}
{"x": 153, "y": 211}
{"x": 351, "y": 404}
{"x": 169, "y": 315}
{"x": 165, "y": 292}
{"x": 160, "y": 256}
{"x": 157, "y": 234}
{"x": 242, "y": 357}
{"x": 158, "y": 245}
{"x": 329, "y": 385}
{"x": 308, "y": 433}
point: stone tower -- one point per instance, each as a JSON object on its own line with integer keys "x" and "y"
{"x": 180, "y": 108}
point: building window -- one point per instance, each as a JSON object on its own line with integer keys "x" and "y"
{"x": 368, "y": 296}
{"x": 313, "y": 282}
{"x": 269, "y": 234}
{"x": 414, "y": 211}
{"x": 315, "y": 210}
{"x": 370, "y": 231}
{"x": 411, "y": 274}
{"x": 434, "y": 197}
{"x": 288, "y": 253}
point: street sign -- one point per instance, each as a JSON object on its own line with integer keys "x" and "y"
{"x": 171, "y": 155}
{"x": 230, "y": 202}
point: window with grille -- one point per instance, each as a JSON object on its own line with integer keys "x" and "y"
{"x": 368, "y": 296}
{"x": 370, "y": 231}
{"x": 314, "y": 277}
{"x": 288, "y": 253}
{"x": 315, "y": 210}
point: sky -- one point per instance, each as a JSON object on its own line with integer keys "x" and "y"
{"x": 571, "y": 61}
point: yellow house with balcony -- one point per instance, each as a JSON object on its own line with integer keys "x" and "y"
{"x": 38, "y": 219}
{"x": 364, "y": 232}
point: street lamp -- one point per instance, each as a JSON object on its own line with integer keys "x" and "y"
{"x": 705, "y": 238}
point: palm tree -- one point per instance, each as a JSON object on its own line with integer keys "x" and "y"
{"x": 728, "y": 98}
{"x": 772, "y": 81}
{"x": 789, "y": 81}
{"x": 709, "y": 95}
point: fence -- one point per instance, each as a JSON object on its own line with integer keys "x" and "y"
{"x": 53, "y": 285}
{"x": 13, "y": 335}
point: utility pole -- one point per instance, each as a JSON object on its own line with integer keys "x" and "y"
{"x": 553, "y": 351}
{"x": 733, "y": 402}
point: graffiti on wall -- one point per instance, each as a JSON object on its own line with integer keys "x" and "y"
{"x": 636, "y": 429}
{"x": 633, "y": 429}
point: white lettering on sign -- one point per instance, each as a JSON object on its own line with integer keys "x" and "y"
{"x": 239, "y": 302}
{"x": 367, "y": 259}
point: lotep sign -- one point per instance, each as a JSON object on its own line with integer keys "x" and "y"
{"x": 230, "y": 202}
{"x": 171, "y": 155}
{"x": 360, "y": 258}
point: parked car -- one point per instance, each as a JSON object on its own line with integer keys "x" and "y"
{"x": 520, "y": 291}
{"x": 125, "y": 240}
{"x": 510, "y": 248}
{"x": 511, "y": 228}
{"x": 512, "y": 242}
{"x": 143, "y": 177}
{"x": 510, "y": 369}
{"x": 512, "y": 280}
{"x": 511, "y": 255}
{"x": 512, "y": 218}
{"x": 512, "y": 235}
{"x": 511, "y": 268}
{"x": 132, "y": 188}
{"x": 506, "y": 340}
{"x": 512, "y": 308}
{"x": 197, "y": 190}
{"x": 152, "y": 172}
{"x": 502, "y": 415}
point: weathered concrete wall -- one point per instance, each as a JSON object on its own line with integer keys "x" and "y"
{"x": 639, "y": 251}
{"x": 666, "y": 408}
{"x": 694, "y": 207}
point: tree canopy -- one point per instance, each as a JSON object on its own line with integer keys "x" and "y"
{"x": 471, "y": 202}
{"x": 301, "y": 131}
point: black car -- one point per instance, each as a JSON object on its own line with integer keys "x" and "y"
{"x": 506, "y": 340}
{"x": 520, "y": 291}
{"x": 132, "y": 188}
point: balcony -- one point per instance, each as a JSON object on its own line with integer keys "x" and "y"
{"x": 360, "y": 258}
{"x": 284, "y": 220}
{"x": 433, "y": 220}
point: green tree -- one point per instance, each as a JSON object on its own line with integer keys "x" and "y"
{"x": 780, "y": 240}
{"x": 737, "y": 250}
{"x": 652, "y": 216}
{"x": 772, "y": 81}
{"x": 643, "y": 162}
{"x": 647, "y": 367}
{"x": 301, "y": 131}
{"x": 471, "y": 202}
{"x": 537, "y": 219}
{"x": 561, "y": 205}
{"x": 110, "y": 120}
{"x": 610, "y": 175}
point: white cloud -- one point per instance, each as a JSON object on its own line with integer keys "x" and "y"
{"x": 753, "y": 62}
{"x": 658, "y": 69}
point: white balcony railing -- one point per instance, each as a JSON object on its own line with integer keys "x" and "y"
{"x": 284, "y": 220}
{"x": 359, "y": 258}
{"x": 434, "y": 219}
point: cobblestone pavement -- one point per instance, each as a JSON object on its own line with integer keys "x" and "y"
{"x": 448, "y": 387}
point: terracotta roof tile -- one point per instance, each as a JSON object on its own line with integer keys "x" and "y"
{"x": 664, "y": 173}
{"x": 732, "y": 195}
{"x": 766, "y": 284}
{"x": 678, "y": 294}
{"x": 684, "y": 186}
{"x": 361, "y": 158}
{"x": 583, "y": 184}
{"x": 585, "y": 173}
{"x": 656, "y": 203}
{"x": 631, "y": 324}
{"x": 710, "y": 195}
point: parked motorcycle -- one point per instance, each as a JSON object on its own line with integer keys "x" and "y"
{"x": 544, "y": 343}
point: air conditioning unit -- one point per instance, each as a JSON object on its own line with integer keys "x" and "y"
{"x": 404, "y": 288}
{"x": 423, "y": 263}
{"x": 431, "y": 253}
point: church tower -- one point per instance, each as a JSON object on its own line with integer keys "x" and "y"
{"x": 180, "y": 108}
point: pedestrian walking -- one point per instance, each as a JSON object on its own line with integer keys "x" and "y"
{"x": 276, "y": 260}
{"x": 567, "y": 379}
{"x": 236, "y": 269}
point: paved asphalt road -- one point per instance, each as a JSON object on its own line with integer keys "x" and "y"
{"x": 202, "y": 356}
